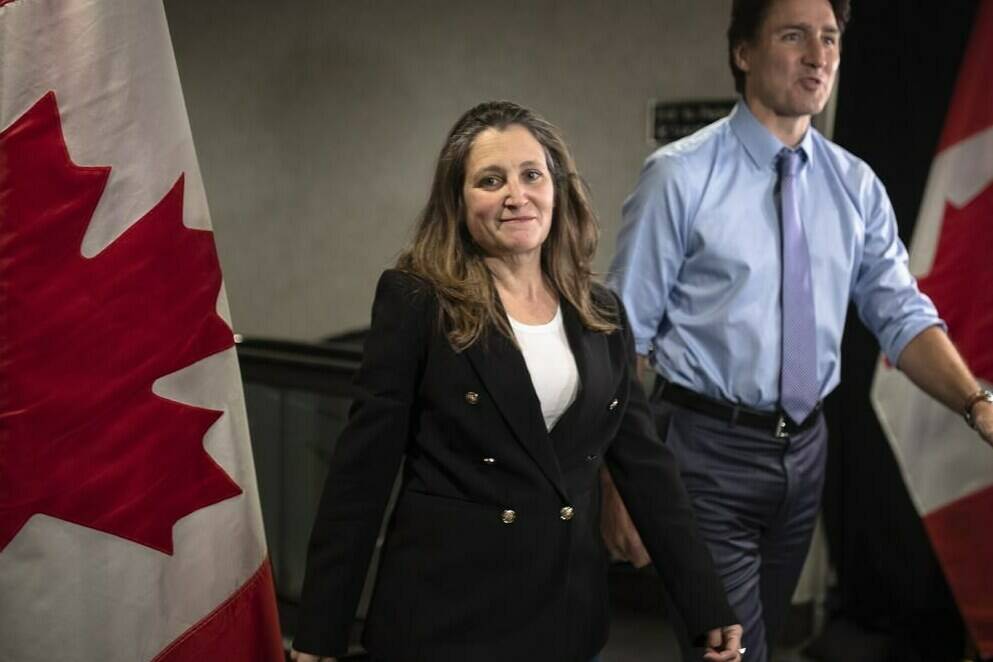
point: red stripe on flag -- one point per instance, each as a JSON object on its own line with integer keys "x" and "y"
{"x": 962, "y": 538}
{"x": 244, "y": 628}
{"x": 959, "y": 280}
{"x": 971, "y": 109}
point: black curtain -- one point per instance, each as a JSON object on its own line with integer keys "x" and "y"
{"x": 900, "y": 60}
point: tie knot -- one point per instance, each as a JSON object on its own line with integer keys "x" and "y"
{"x": 790, "y": 162}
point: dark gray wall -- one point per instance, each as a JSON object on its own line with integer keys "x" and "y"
{"x": 317, "y": 122}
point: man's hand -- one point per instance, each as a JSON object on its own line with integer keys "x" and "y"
{"x": 297, "y": 656}
{"x": 982, "y": 416}
{"x": 619, "y": 534}
{"x": 724, "y": 644}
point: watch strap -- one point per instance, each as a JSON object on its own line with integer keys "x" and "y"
{"x": 982, "y": 395}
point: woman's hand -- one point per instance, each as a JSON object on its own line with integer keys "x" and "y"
{"x": 297, "y": 656}
{"x": 724, "y": 644}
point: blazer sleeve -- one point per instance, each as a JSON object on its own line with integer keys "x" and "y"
{"x": 364, "y": 465}
{"x": 647, "y": 476}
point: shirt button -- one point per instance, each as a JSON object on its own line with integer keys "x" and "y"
{"x": 472, "y": 397}
{"x": 508, "y": 516}
{"x": 566, "y": 513}
{"x": 613, "y": 404}
{"x": 489, "y": 460}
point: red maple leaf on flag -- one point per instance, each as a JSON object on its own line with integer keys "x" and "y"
{"x": 82, "y": 436}
{"x": 961, "y": 279}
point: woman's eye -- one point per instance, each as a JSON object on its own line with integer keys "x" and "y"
{"x": 489, "y": 182}
{"x": 532, "y": 175}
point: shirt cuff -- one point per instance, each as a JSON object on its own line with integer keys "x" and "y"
{"x": 903, "y": 339}
{"x": 643, "y": 346}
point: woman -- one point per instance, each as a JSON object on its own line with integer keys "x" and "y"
{"x": 504, "y": 376}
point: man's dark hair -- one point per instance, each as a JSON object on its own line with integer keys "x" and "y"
{"x": 746, "y": 19}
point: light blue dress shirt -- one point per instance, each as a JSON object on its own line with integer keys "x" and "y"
{"x": 698, "y": 260}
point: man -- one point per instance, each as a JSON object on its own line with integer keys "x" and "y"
{"x": 741, "y": 248}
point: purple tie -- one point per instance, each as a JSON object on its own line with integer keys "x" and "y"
{"x": 798, "y": 386}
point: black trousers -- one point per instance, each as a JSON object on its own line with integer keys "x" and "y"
{"x": 756, "y": 499}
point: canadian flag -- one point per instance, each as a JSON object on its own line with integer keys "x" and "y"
{"x": 947, "y": 469}
{"x": 130, "y": 526}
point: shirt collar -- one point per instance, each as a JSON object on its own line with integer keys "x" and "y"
{"x": 762, "y": 147}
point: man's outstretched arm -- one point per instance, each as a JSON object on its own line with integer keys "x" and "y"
{"x": 931, "y": 361}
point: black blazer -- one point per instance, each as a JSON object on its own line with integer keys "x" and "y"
{"x": 494, "y": 550}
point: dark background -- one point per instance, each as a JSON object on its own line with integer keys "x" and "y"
{"x": 899, "y": 65}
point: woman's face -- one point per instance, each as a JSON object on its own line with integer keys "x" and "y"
{"x": 509, "y": 193}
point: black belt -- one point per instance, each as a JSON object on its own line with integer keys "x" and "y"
{"x": 778, "y": 424}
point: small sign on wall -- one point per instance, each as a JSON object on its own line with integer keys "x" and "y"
{"x": 672, "y": 120}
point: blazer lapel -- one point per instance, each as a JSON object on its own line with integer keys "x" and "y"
{"x": 595, "y": 376}
{"x": 501, "y": 368}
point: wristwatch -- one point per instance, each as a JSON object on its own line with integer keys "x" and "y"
{"x": 982, "y": 395}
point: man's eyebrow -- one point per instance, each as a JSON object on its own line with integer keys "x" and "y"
{"x": 807, "y": 27}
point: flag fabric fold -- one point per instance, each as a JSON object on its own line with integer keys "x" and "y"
{"x": 130, "y": 525}
{"x": 947, "y": 469}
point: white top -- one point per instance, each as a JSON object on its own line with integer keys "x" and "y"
{"x": 551, "y": 364}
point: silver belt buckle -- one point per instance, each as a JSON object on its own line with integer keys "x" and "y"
{"x": 780, "y": 432}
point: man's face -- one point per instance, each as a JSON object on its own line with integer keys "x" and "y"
{"x": 790, "y": 66}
